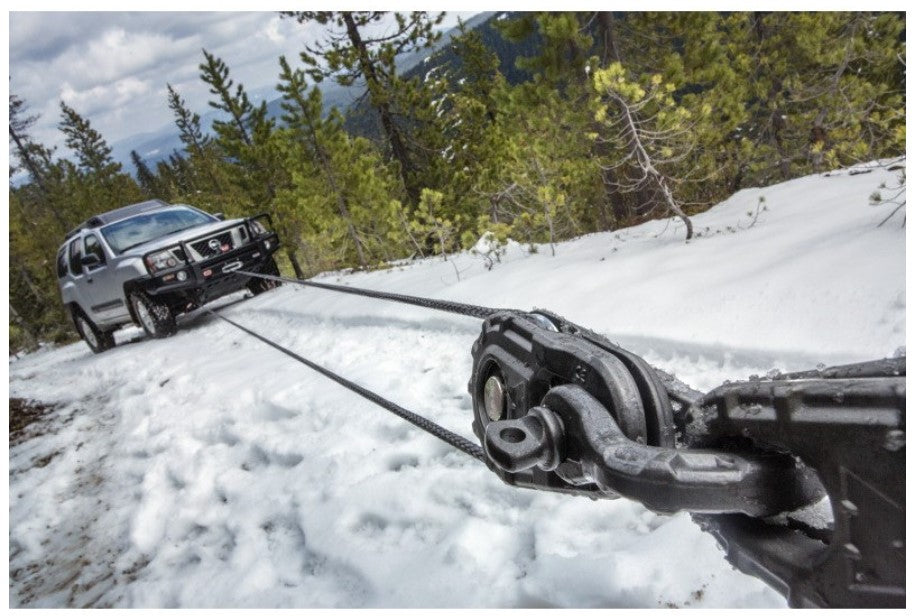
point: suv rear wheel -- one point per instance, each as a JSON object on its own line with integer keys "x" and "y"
{"x": 261, "y": 285}
{"x": 97, "y": 340}
{"x": 156, "y": 318}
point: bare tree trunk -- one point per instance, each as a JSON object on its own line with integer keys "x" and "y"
{"x": 386, "y": 117}
{"x": 609, "y": 54}
{"x": 609, "y": 51}
{"x": 645, "y": 163}
{"x": 550, "y": 232}
{"x": 439, "y": 233}
{"x": 777, "y": 124}
{"x": 818, "y": 131}
{"x": 343, "y": 211}
{"x": 292, "y": 256}
{"x": 549, "y": 217}
{"x": 405, "y": 228}
{"x": 776, "y": 117}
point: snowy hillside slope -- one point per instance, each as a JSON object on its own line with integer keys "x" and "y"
{"x": 208, "y": 470}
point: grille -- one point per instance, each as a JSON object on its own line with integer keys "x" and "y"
{"x": 206, "y": 251}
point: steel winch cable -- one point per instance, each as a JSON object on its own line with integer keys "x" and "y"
{"x": 734, "y": 492}
{"x": 451, "y": 438}
{"x": 470, "y": 310}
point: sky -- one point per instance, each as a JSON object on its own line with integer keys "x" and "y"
{"x": 113, "y": 68}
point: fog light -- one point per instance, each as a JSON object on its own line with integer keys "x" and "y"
{"x": 207, "y": 273}
{"x": 267, "y": 244}
{"x": 182, "y": 276}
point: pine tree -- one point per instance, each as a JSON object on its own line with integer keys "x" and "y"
{"x": 649, "y": 133}
{"x": 33, "y": 158}
{"x": 303, "y": 114}
{"x": 564, "y": 52}
{"x": 147, "y": 180}
{"x": 18, "y": 129}
{"x": 248, "y": 139}
{"x": 562, "y": 65}
{"x": 236, "y": 131}
{"x": 479, "y": 69}
{"x": 246, "y": 136}
{"x": 90, "y": 148}
{"x": 470, "y": 122}
{"x": 199, "y": 145}
{"x": 789, "y": 93}
{"x": 349, "y": 55}
{"x": 188, "y": 123}
{"x": 97, "y": 183}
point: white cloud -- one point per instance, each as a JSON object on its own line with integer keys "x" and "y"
{"x": 113, "y": 67}
{"x": 273, "y": 31}
{"x": 129, "y": 91}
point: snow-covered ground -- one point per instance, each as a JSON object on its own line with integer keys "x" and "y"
{"x": 209, "y": 470}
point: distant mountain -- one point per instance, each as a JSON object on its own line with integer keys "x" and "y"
{"x": 158, "y": 144}
{"x": 152, "y": 146}
{"x": 361, "y": 119}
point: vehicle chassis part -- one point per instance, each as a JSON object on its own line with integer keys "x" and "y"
{"x": 560, "y": 408}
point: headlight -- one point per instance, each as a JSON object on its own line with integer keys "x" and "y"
{"x": 258, "y": 227}
{"x": 159, "y": 261}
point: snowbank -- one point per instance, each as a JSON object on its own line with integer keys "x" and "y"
{"x": 208, "y": 470}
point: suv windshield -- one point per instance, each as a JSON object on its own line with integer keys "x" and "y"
{"x": 126, "y": 234}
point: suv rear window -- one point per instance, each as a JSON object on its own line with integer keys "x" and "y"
{"x": 126, "y": 234}
{"x": 76, "y": 257}
{"x": 61, "y": 264}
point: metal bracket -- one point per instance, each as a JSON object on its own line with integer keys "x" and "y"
{"x": 572, "y": 427}
{"x": 561, "y": 408}
{"x": 852, "y": 432}
{"x": 581, "y": 415}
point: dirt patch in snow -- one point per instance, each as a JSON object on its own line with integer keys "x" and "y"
{"x": 76, "y": 556}
{"x": 27, "y": 419}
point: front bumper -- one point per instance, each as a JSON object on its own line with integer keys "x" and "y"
{"x": 210, "y": 279}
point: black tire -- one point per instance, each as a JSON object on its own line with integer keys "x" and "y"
{"x": 261, "y": 285}
{"x": 156, "y": 318}
{"x": 96, "y": 339}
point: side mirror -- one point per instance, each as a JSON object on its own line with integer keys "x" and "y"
{"x": 219, "y": 215}
{"x": 91, "y": 260}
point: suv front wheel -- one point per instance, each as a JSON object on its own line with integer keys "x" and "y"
{"x": 97, "y": 340}
{"x": 156, "y": 318}
{"x": 261, "y": 285}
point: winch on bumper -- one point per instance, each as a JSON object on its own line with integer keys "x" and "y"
{"x": 199, "y": 282}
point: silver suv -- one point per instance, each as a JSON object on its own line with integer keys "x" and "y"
{"x": 146, "y": 263}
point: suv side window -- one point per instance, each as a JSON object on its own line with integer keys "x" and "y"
{"x": 93, "y": 247}
{"x": 62, "y": 263}
{"x": 76, "y": 257}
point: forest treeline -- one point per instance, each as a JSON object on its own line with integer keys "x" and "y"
{"x": 623, "y": 117}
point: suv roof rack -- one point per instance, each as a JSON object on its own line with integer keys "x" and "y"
{"x": 118, "y": 214}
